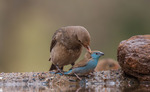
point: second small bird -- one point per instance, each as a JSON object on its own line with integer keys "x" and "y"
{"x": 87, "y": 66}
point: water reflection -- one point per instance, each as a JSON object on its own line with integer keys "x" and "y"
{"x": 45, "y": 89}
{"x": 74, "y": 88}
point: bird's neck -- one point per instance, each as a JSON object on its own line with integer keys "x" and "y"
{"x": 93, "y": 63}
{"x": 95, "y": 59}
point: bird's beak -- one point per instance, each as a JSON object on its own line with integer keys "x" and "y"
{"x": 101, "y": 53}
{"x": 88, "y": 49}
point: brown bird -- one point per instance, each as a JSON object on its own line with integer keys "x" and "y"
{"x": 107, "y": 64}
{"x": 66, "y": 45}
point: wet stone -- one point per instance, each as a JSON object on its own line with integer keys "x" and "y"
{"x": 111, "y": 77}
{"x": 112, "y": 80}
{"x": 134, "y": 57}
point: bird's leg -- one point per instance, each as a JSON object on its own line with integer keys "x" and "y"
{"x": 59, "y": 69}
{"x": 77, "y": 76}
{"x": 91, "y": 74}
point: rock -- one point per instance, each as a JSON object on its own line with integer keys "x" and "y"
{"x": 107, "y": 64}
{"x": 134, "y": 56}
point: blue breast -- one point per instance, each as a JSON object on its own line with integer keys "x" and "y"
{"x": 86, "y": 69}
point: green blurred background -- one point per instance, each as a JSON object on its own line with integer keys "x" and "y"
{"x": 27, "y": 26}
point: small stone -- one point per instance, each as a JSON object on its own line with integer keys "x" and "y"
{"x": 33, "y": 79}
{"x": 25, "y": 80}
{"x": 44, "y": 83}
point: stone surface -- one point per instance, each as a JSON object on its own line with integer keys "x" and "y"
{"x": 102, "y": 81}
{"x": 134, "y": 56}
{"x": 110, "y": 77}
{"x": 36, "y": 78}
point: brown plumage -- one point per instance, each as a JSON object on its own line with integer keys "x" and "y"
{"x": 66, "y": 45}
{"x": 84, "y": 61}
{"x": 107, "y": 64}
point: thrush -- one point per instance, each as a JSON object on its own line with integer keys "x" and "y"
{"x": 66, "y": 46}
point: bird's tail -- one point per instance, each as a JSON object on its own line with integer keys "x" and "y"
{"x": 68, "y": 72}
{"x": 53, "y": 67}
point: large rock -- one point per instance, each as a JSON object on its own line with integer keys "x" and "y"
{"x": 134, "y": 56}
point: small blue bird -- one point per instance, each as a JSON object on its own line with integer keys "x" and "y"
{"x": 86, "y": 67}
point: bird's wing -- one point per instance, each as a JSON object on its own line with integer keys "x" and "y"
{"x": 81, "y": 63}
{"x": 53, "y": 43}
{"x": 55, "y": 37}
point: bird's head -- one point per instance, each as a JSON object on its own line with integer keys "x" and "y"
{"x": 96, "y": 54}
{"x": 83, "y": 37}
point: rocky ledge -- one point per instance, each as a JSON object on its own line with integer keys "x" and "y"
{"x": 110, "y": 77}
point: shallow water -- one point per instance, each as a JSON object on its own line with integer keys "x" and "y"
{"x": 75, "y": 88}
{"x": 104, "y": 81}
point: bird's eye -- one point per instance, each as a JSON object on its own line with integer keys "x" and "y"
{"x": 96, "y": 53}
